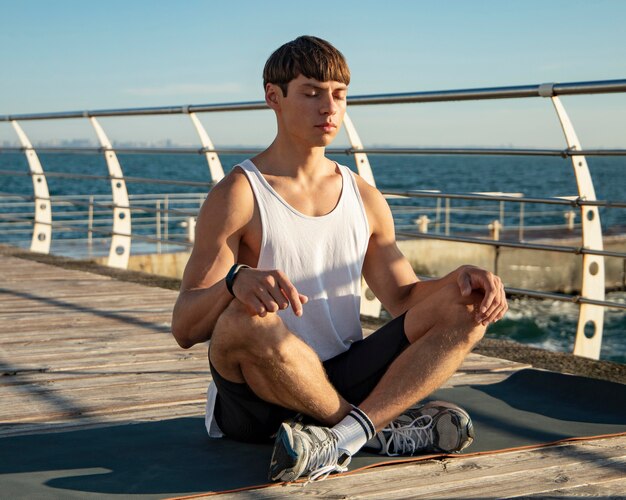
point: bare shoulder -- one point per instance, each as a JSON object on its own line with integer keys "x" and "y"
{"x": 230, "y": 204}
{"x": 221, "y": 225}
{"x": 376, "y": 207}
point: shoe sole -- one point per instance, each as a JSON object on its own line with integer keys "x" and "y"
{"x": 284, "y": 456}
{"x": 456, "y": 415}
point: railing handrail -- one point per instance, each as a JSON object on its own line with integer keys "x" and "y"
{"x": 510, "y": 92}
{"x": 563, "y": 153}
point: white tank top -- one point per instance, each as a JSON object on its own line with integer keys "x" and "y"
{"x": 322, "y": 256}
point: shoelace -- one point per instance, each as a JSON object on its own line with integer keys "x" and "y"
{"x": 323, "y": 460}
{"x": 408, "y": 438}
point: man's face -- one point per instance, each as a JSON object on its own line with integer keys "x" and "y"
{"x": 313, "y": 111}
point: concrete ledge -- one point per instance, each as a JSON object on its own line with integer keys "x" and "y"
{"x": 518, "y": 268}
{"x": 530, "y": 269}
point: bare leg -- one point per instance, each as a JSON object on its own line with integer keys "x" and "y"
{"x": 282, "y": 369}
{"x": 278, "y": 366}
{"x": 442, "y": 331}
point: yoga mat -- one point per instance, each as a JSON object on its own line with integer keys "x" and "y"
{"x": 175, "y": 457}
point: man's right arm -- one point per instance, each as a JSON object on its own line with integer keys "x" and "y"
{"x": 226, "y": 224}
{"x": 221, "y": 224}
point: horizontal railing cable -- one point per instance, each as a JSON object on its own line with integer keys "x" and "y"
{"x": 144, "y": 180}
{"x": 575, "y": 299}
{"x": 511, "y": 244}
{"x": 104, "y": 232}
{"x": 575, "y": 202}
{"x": 112, "y": 205}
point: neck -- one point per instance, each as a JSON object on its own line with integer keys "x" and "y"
{"x": 291, "y": 159}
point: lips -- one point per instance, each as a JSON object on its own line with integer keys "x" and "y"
{"x": 327, "y": 127}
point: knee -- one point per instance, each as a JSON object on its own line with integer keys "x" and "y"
{"x": 460, "y": 313}
{"x": 238, "y": 331}
{"x": 466, "y": 311}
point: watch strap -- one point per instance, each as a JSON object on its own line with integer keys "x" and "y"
{"x": 232, "y": 274}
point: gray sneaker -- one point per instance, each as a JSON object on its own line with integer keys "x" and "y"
{"x": 309, "y": 450}
{"x": 436, "y": 426}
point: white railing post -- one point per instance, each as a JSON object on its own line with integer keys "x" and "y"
{"x": 119, "y": 252}
{"x": 591, "y": 317}
{"x": 494, "y": 229}
{"x": 42, "y": 227}
{"x": 215, "y": 166}
{"x": 157, "y": 224}
{"x": 362, "y": 162}
{"x": 90, "y": 224}
{"x": 191, "y": 229}
{"x": 422, "y": 223}
{"x": 166, "y": 218}
{"x": 370, "y": 305}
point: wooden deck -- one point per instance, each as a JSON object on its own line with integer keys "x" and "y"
{"x": 81, "y": 350}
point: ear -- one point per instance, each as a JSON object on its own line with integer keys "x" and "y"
{"x": 272, "y": 97}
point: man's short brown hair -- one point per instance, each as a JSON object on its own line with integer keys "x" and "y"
{"x": 309, "y": 56}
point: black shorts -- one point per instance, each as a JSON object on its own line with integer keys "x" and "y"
{"x": 243, "y": 416}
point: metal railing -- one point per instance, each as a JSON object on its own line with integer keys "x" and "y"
{"x": 91, "y": 213}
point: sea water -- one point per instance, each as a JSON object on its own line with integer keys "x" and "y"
{"x": 544, "y": 323}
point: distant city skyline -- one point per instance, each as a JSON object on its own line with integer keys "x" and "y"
{"x": 73, "y": 55}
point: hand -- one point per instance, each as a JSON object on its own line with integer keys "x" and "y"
{"x": 265, "y": 291}
{"x": 493, "y": 306}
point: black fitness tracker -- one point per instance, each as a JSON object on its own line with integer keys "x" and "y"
{"x": 232, "y": 274}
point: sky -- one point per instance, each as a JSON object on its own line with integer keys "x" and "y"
{"x": 85, "y": 55}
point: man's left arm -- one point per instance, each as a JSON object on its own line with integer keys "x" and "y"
{"x": 392, "y": 279}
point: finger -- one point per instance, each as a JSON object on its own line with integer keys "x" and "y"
{"x": 303, "y": 298}
{"x": 267, "y": 299}
{"x": 279, "y": 298}
{"x": 497, "y": 315}
{"x": 494, "y": 290}
{"x": 492, "y": 317}
{"x": 487, "y": 302}
{"x": 291, "y": 294}
{"x": 503, "y": 311}
{"x": 274, "y": 294}
{"x": 498, "y": 309}
{"x": 465, "y": 284}
{"x": 255, "y": 306}
{"x": 494, "y": 307}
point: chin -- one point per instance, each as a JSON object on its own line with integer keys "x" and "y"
{"x": 327, "y": 139}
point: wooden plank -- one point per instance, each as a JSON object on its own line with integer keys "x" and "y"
{"x": 503, "y": 475}
{"x": 610, "y": 489}
{"x": 461, "y": 378}
{"x": 121, "y": 417}
{"x": 91, "y": 363}
{"x": 197, "y": 366}
{"x": 47, "y": 407}
{"x": 479, "y": 362}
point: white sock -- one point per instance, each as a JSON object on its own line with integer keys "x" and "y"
{"x": 354, "y": 431}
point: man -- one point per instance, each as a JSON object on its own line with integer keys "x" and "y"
{"x": 274, "y": 282}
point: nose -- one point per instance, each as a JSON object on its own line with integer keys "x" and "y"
{"x": 329, "y": 105}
